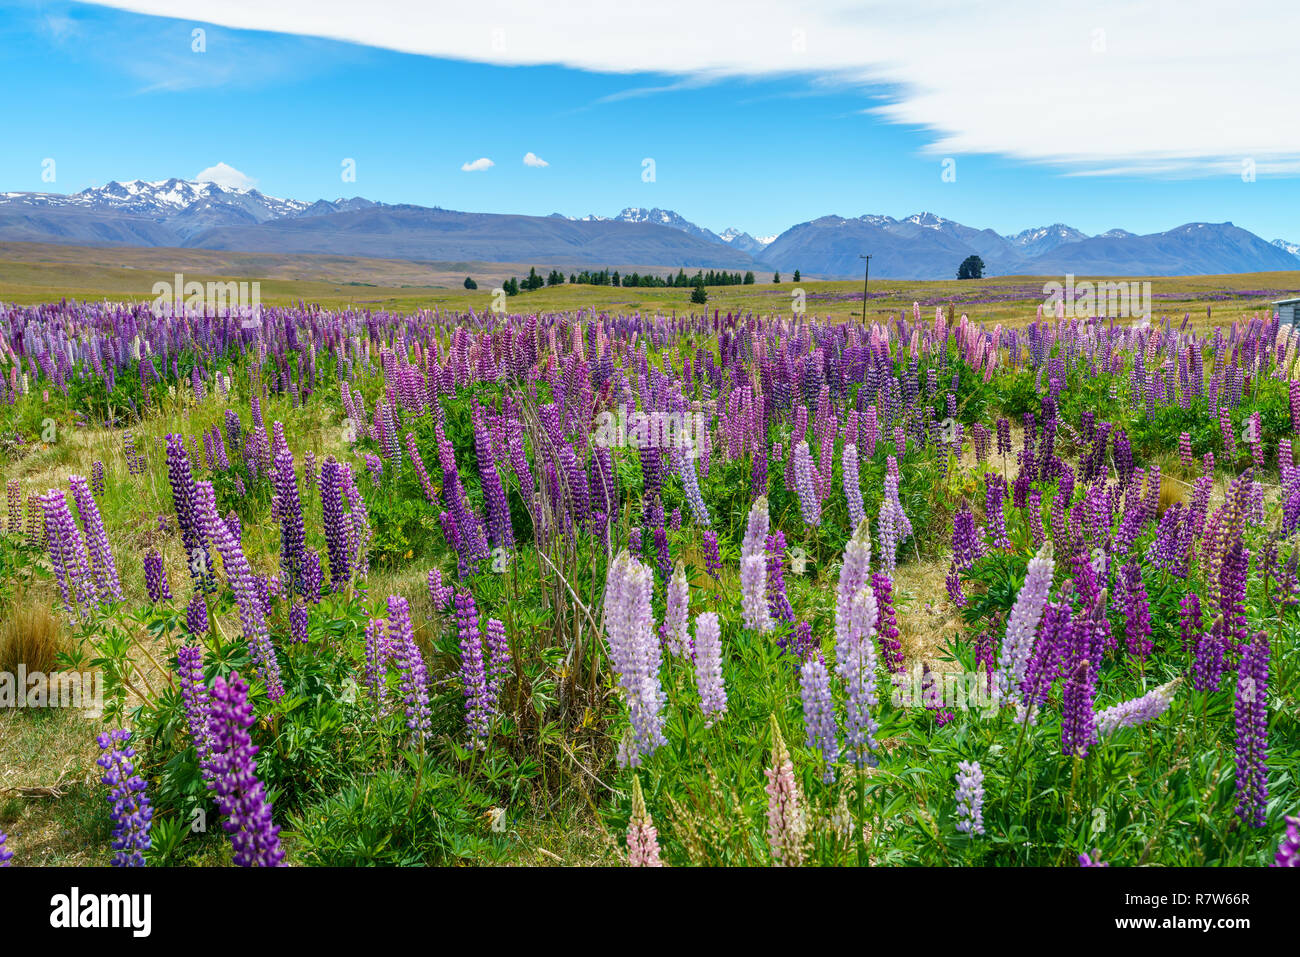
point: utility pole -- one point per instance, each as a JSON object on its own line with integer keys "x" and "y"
{"x": 866, "y": 271}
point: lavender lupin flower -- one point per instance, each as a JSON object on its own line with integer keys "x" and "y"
{"x": 240, "y": 794}
{"x": 634, "y": 653}
{"x": 809, "y": 505}
{"x": 970, "y": 797}
{"x": 5, "y": 856}
{"x": 819, "y": 712}
{"x": 1022, "y": 627}
{"x": 1138, "y": 711}
{"x": 708, "y": 667}
{"x": 132, "y": 813}
{"x": 753, "y": 570}
{"x": 676, "y": 626}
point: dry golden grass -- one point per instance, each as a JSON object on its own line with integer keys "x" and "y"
{"x": 30, "y": 635}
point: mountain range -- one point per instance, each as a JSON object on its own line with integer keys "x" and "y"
{"x": 204, "y": 215}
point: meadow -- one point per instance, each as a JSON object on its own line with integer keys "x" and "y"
{"x": 591, "y": 582}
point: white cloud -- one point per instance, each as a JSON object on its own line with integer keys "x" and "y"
{"x": 225, "y": 176}
{"x": 1080, "y": 84}
{"x": 477, "y": 166}
{"x": 532, "y": 159}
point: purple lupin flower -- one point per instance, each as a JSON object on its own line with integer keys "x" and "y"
{"x": 67, "y": 553}
{"x": 155, "y": 577}
{"x": 1251, "y": 719}
{"x": 131, "y": 811}
{"x": 995, "y": 516}
{"x": 239, "y": 793}
{"x": 819, "y": 713}
{"x": 193, "y": 535}
{"x": 336, "y": 525}
{"x": 1093, "y": 861}
{"x": 102, "y": 566}
{"x": 778, "y": 604}
{"x": 410, "y": 663}
{"x": 379, "y": 652}
{"x": 196, "y": 614}
{"x": 252, "y": 609}
{"x": 473, "y": 675}
{"x": 891, "y": 649}
{"x": 634, "y": 653}
{"x": 292, "y": 535}
{"x": 970, "y": 797}
{"x": 1137, "y": 612}
{"x": 498, "y": 663}
{"x": 5, "y": 856}
{"x": 298, "y": 622}
{"x": 198, "y": 703}
{"x": 1288, "y": 850}
{"x": 712, "y": 557}
{"x": 753, "y": 569}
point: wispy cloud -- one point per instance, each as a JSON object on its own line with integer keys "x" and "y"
{"x": 1078, "y": 84}
{"x": 477, "y": 166}
{"x": 532, "y": 159}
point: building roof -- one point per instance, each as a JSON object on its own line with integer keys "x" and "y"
{"x": 1286, "y": 302}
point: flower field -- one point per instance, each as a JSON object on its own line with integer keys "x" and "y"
{"x": 454, "y": 588}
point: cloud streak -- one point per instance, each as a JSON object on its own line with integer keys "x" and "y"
{"x": 1103, "y": 85}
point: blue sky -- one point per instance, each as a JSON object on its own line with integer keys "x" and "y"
{"x": 111, "y": 94}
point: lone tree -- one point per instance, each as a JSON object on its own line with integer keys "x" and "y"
{"x": 470, "y": 283}
{"x": 972, "y": 267}
{"x": 796, "y": 275}
{"x": 776, "y": 277}
{"x": 698, "y": 295}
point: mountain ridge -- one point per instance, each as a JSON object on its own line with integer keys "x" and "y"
{"x": 924, "y": 245}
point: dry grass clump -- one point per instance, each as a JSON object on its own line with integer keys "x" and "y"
{"x": 30, "y": 635}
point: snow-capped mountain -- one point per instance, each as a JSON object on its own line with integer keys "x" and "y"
{"x": 1117, "y": 234}
{"x": 1292, "y": 248}
{"x": 737, "y": 239}
{"x": 1039, "y": 239}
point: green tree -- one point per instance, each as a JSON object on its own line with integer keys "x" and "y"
{"x": 749, "y": 278}
{"x": 796, "y": 275}
{"x": 470, "y": 283}
{"x": 698, "y": 295}
{"x": 776, "y": 277}
{"x": 972, "y": 267}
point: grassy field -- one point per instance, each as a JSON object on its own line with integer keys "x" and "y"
{"x": 35, "y": 272}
